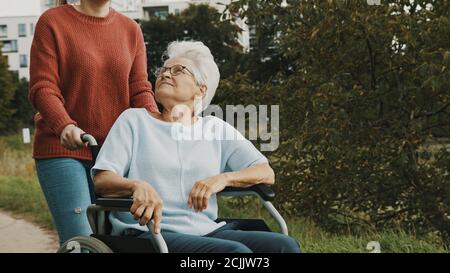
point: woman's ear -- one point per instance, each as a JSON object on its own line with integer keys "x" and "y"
{"x": 203, "y": 89}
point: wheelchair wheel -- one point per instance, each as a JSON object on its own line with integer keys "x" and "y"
{"x": 84, "y": 244}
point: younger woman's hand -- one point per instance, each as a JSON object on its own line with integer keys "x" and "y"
{"x": 71, "y": 137}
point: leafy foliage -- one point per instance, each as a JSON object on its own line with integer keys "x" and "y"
{"x": 7, "y": 90}
{"x": 197, "y": 22}
{"x": 364, "y": 110}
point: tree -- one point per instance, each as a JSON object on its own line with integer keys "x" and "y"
{"x": 364, "y": 104}
{"x": 264, "y": 39}
{"x": 197, "y": 22}
{"x": 24, "y": 111}
{"x": 7, "y": 90}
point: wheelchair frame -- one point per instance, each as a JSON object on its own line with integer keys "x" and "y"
{"x": 96, "y": 213}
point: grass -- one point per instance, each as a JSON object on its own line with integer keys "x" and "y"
{"x": 15, "y": 157}
{"x": 20, "y": 193}
{"x": 24, "y": 196}
{"x": 19, "y": 188}
{"x": 315, "y": 240}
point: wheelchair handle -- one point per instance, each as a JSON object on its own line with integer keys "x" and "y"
{"x": 92, "y": 143}
{"x": 85, "y": 137}
{"x": 158, "y": 240}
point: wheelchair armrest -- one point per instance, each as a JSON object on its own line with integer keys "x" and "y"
{"x": 115, "y": 202}
{"x": 121, "y": 204}
{"x": 264, "y": 191}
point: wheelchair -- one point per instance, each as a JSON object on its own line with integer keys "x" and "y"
{"x": 101, "y": 241}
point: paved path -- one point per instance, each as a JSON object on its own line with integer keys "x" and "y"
{"x": 21, "y": 236}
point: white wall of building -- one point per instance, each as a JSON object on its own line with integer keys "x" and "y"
{"x": 23, "y": 42}
{"x": 130, "y": 8}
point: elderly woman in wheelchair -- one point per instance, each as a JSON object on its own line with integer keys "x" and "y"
{"x": 174, "y": 164}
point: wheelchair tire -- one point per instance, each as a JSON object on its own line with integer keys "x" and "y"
{"x": 81, "y": 244}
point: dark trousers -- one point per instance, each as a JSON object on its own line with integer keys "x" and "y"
{"x": 228, "y": 239}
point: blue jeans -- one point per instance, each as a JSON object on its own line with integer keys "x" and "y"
{"x": 68, "y": 189}
{"x": 229, "y": 239}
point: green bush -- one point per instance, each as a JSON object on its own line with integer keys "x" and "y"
{"x": 15, "y": 110}
{"x": 197, "y": 22}
{"x": 363, "y": 92}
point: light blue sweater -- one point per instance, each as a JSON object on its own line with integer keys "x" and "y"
{"x": 172, "y": 157}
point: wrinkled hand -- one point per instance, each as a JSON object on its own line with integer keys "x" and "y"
{"x": 146, "y": 204}
{"x": 71, "y": 137}
{"x": 203, "y": 189}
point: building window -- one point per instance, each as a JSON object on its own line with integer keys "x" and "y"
{"x": 3, "y": 31}
{"x": 23, "y": 60}
{"x": 177, "y": 11}
{"x": 9, "y": 46}
{"x": 161, "y": 12}
{"x": 31, "y": 29}
{"x": 22, "y": 30}
{"x": 50, "y": 3}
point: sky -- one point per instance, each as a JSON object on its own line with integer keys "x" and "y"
{"x": 19, "y": 7}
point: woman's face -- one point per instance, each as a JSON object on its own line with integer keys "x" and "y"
{"x": 176, "y": 84}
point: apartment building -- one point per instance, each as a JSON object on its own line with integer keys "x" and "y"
{"x": 16, "y": 32}
{"x": 16, "y": 35}
{"x": 162, "y": 8}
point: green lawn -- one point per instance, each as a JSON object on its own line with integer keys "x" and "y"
{"x": 24, "y": 196}
{"x": 313, "y": 239}
{"x": 20, "y": 192}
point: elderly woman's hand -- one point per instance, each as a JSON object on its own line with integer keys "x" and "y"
{"x": 203, "y": 189}
{"x": 146, "y": 203}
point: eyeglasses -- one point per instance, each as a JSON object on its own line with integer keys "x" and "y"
{"x": 174, "y": 70}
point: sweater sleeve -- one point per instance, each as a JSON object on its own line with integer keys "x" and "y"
{"x": 45, "y": 94}
{"x": 141, "y": 94}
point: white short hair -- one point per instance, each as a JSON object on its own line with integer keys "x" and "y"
{"x": 205, "y": 71}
